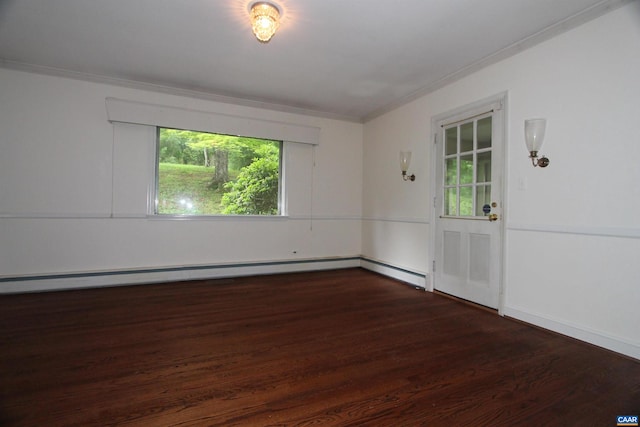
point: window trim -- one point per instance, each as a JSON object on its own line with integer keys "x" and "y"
{"x": 135, "y": 122}
{"x": 123, "y": 111}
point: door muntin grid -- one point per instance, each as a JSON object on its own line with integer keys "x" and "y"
{"x": 467, "y": 167}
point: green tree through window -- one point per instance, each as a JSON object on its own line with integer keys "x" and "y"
{"x": 201, "y": 173}
{"x": 467, "y": 167}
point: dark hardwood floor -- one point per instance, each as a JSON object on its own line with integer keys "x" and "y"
{"x": 333, "y": 348}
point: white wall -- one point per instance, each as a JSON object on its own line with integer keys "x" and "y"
{"x": 572, "y": 229}
{"x": 72, "y": 195}
{"x": 395, "y": 223}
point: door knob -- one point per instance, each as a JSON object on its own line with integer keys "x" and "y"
{"x": 493, "y": 217}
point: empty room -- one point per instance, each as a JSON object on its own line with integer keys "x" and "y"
{"x": 319, "y": 212}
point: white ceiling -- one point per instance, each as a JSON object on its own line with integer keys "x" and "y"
{"x": 348, "y": 59}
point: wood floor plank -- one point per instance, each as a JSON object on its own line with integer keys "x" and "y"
{"x": 332, "y": 348}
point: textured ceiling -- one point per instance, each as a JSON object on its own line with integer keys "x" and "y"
{"x": 347, "y": 59}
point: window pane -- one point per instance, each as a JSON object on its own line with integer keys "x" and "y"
{"x": 451, "y": 174}
{"x": 450, "y": 201}
{"x": 466, "y": 169}
{"x": 203, "y": 173}
{"x": 466, "y": 201}
{"x": 451, "y": 141}
{"x": 184, "y": 190}
{"x": 466, "y": 137}
{"x": 483, "y": 197}
{"x": 484, "y": 133}
{"x": 483, "y": 167}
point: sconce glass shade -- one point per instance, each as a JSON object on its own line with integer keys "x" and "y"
{"x": 405, "y": 160}
{"x": 265, "y": 20}
{"x": 534, "y": 134}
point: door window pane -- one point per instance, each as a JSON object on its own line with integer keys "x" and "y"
{"x": 466, "y": 169}
{"x": 452, "y": 171}
{"x": 451, "y": 141}
{"x": 450, "y": 201}
{"x": 483, "y": 197}
{"x": 466, "y": 201}
{"x": 466, "y": 137}
{"x": 484, "y": 133}
{"x": 483, "y": 167}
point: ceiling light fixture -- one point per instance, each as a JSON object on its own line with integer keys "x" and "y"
{"x": 265, "y": 20}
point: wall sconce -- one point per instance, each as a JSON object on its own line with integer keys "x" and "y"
{"x": 533, "y": 137}
{"x": 405, "y": 160}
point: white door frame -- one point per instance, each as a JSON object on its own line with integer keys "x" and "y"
{"x": 461, "y": 113}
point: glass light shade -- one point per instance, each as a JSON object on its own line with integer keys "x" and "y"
{"x": 534, "y": 133}
{"x": 265, "y": 20}
{"x": 405, "y": 160}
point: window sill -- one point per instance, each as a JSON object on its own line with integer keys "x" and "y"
{"x": 217, "y": 217}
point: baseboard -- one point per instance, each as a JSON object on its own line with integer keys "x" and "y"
{"x": 96, "y": 279}
{"x": 592, "y": 337}
{"x": 398, "y": 273}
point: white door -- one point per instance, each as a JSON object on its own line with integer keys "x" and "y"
{"x": 468, "y": 205}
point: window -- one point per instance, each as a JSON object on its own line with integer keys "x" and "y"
{"x": 467, "y": 167}
{"x": 199, "y": 173}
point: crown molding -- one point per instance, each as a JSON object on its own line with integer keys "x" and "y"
{"x": 543, "y": 35}
{"x": 171, "y": 90}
